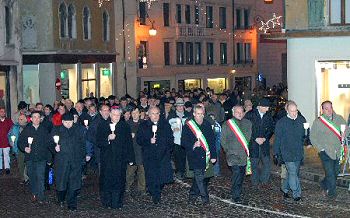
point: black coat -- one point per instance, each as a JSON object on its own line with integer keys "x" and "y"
{"x": 156, "y": 157}
{"x": 197, "y": 157}
{"x": 68, "y": 161}
{"x": 115, "y": 155}
{"x": 137, "y": 148}
{"x": 262, "y": 128}
{"x": 91, "y": 136}
{"x": 41, "y": 142}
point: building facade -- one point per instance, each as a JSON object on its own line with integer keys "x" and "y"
{"x": 193, "y": 46}
{"x": 10, "y": 57}
{"x": 318, "y": 58}
{"x": 68, "y": 49}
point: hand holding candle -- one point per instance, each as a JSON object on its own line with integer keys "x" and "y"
{"x": 111, "y": 136}
{"x": 306, "y": 127}
{"x": 30, "y": 141}
{"x": 154, "y": 130}
{"x": 13, "y": 139}
{"x": 342, "y": 132}
{"x": 86, "y": 122}
{"x": 56, "y": 139}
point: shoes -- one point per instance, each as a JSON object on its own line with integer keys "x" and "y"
{"x": 205, "y": 200}
{"x": 297, "y": 199}
{"x": 156, "y": 200}
{"x": 34, "y": 198}
{"x": 72, "y": 208}
{"x": 237, "y": 200}
{"x": 285, "y": 195}
{"x": 7, "y": 171}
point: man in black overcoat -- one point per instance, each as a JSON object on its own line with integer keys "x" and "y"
{"x": 200, "y": 150}
{"x": 116, "y": 153}
{"x": 156, "y": 138}
{"x": 70, "y": 153}
{"x": 262, "y": 131}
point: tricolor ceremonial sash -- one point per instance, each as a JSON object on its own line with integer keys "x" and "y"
{"x": 203, "y": 141}
{"x": 336, "y": 130}
{"x": 331, "y": 125}
{"x": 242, "y": 139}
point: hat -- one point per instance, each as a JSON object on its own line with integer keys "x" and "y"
{"x": 264, "y": 102}
{"x": 68, "y": 117}
{"x": 168, "y": 101}
{"x": 22, "y": 105}
{"x": 188, "y": 104}
{"x": 179, "y": 102}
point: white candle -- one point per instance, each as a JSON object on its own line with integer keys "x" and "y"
{"x": 342, "y": 127}
{"x": 199, "y": 135}
{"x": 306, "y": 125}
{"x": 56, "y": 138}
{"x": 154, "y": 128}
{"x": 13, "y": 138}
{"x": 86, "y": 122}
{"x": 30, "y": 140}
{"x": 112, "y": 126}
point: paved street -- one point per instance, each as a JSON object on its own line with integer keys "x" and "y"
{"x": 15, "y": 202}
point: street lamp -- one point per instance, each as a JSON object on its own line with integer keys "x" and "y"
{"x": 152, "y": 31}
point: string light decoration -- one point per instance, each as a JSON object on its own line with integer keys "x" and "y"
{"x": 100, "y": 2}
{"x": 149, "y": 2}
{"x": 270, "y": 24}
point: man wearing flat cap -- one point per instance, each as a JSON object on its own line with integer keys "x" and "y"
{"x": 262, "y": 131}
{"x": 68, "y": 144}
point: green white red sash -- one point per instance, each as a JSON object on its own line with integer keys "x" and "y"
{"x": 336, "y": 130}
{"x": 203, "y": 141}
{"x": 242, "y": 139}
{"x": 331, "y": 125}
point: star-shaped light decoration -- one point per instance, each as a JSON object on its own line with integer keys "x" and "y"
{"x": 270, "y": 24}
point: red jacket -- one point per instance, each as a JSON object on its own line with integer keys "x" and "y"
{"x": 5, "y": 127}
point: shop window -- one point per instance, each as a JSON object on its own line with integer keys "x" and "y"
{"x": 222, "y": 16}
{"x": 210, "y": 53}
{"x": 3, "y": 91}
{"x": 339, "y": 12}
{"x": 72, "y": 29}
{"x": 191, "y": 84}
{"x": 178, "y": 13}
{"x": 268, "y": 1}
{"x": 166, "y": 53}
{"x": 87, "y": 23}
{"x": 197, "y": 53}
{"x": 106, "y": 79}
{"x": 63, "y": 20}
{"x": 88, "y": 80}
{"x": 217, "y": 84}
{"x": 69, "y": 81}
{"x": 180, "y": 53}
{"x": 189, "y": 53}
{"x": 105, "y": 26}
{"x": 166, "y": 14}
{"x": 209, "y": 17}
{"x": 188, "y": 14}
{"x": 223, "y": 53}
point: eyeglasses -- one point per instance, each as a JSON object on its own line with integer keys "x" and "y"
{"x": 154, "y": 113}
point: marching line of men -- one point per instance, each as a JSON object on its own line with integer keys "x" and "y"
{"x": 145, "y": 148}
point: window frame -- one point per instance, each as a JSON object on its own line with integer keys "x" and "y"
{"x": 180, "y": 56}
{"x": 72, "y": 31}
{"x": 166, "y": 53}
{"x": 209, "y": 17}
{"x": 166, "y": 14}
{"x": 222, "y": 20}
{"x": 223, "y": 53}
{"x": 342, "y": 13}
{"x": 88, "y": 24}
{"x": 105, "y": 29}
{"x": 210, "y": 53}
{"x": 63, "y": 25}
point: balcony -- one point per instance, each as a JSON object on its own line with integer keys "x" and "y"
{"x": 189, "y": 31}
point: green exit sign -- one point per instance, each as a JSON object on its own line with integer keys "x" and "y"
{"x": 64, "y": 74}
{"x": 106, "y": 72}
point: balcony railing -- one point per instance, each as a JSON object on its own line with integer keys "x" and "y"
{"x": 190, "y": 30}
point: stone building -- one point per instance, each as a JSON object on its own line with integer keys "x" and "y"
{"x": 318, "y": 59}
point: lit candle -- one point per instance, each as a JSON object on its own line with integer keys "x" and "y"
{"x": 112, "y": 127}
{"x": 13, "y": 138}
{"x": 86, "y": 122}
{"x": 342, "y": 127}
{"x": 306, "y": 125}
{"x": 154, "y": 130}
{"x": 56, "y": 138}
{"x": 30, "y": 141}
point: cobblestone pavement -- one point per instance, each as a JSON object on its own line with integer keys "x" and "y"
{"x": 15, "y": 202}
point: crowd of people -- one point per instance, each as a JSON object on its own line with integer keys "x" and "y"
{"x": 145, "y": 143}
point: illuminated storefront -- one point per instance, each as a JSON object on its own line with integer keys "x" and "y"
{"x": 217, "y": 84}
